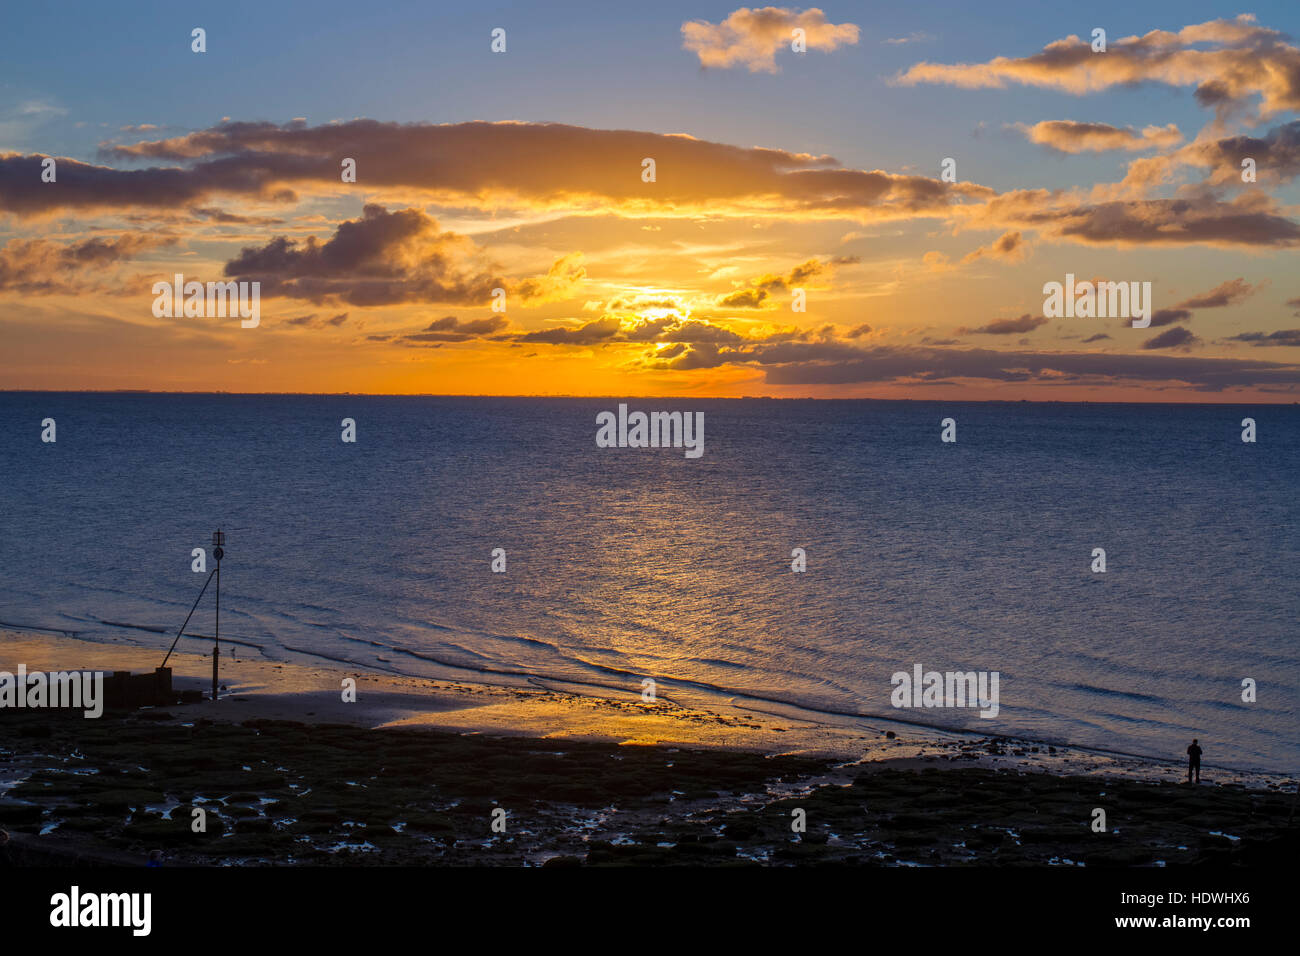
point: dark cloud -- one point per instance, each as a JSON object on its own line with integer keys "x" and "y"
{"x": 668, "y": 329}
{"x": 1025, "y": 323}
{"x": 478, "y": 163}
{"x": 610, "y": 329}
{"x": 1251, "y": 219}
{"x": 744, "y": 299}
{"x": 601, "y": 330}
{"x": 449, "y": 323}
{"x": 1161, "y": 317}
{"x": 1231, "y": 292}
{"x": 1172, "y": 339}
{"x": 1281, "y": 337}
{"x": 688, "y": 331}
{"x": 84, "y": 186}
{"x": 383, "y": 258}
{"x": 1212, "y": 94}
{"x": 840, "y": 363}
{"x": 1225, "y": 293}
{"x": 222, "y": 217}
{"x": 576, "y": 168}
{"x": 1276, "y": 156}
{"x": 451, "y": 329}
{"x": 890, "y": 364}
{"x": 311, "y": 321}
{"x": 388, "y": 258}
{"x": 642, "y": 302}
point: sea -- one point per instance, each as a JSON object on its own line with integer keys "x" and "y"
{"x": 625, "y": 563}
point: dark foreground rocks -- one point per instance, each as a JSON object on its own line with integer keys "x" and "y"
{"x": 279, "y": 792}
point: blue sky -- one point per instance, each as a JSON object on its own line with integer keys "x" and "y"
{"x": 126, "y": 64}
{"x": 78, "y": 77}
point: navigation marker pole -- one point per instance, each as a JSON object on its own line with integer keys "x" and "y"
{"x": 218, "y": 552}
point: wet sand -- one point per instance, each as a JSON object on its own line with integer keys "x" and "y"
{"x": 286, "y": 772}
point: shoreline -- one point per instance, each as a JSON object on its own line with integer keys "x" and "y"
{"x": 283, "y": 772}
{"x": 530, "y": 706}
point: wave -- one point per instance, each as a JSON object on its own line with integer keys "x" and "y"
{"x": 742, "y": 699}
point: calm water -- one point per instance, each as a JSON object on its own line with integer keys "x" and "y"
{"x": 627, "y": 563}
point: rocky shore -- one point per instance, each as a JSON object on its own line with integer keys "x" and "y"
{"x": 285, "y": 792}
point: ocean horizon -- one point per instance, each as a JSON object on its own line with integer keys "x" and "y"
{"x": 623, "y": 564}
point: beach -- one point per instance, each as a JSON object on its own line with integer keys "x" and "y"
{"x": 286, "y": 772}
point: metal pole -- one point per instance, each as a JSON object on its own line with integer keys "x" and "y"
{"x": 216, "y": 638}
{"x": 187, "y": 618}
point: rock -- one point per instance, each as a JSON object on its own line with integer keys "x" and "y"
{"x": 14, "y": 811}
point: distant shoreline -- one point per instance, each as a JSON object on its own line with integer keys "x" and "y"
{"x": 632, "y": 397}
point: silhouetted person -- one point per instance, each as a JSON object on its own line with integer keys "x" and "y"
{"x": 6, "y": 854}
{"x": 1194, "y": 761}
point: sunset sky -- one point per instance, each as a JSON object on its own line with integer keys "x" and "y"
{"x": 775, "y": 170}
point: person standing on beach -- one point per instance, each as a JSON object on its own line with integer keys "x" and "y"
{"x": 1194, "y": 761}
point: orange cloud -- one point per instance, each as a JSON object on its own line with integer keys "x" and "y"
{"x": 1274, "y": 158}
{"x": 1249, "y": 220}
{"x": 758, "y": 292}
{"x": 1009, "y": 247}
{"x": 1246, "y": 61}
{"x": 751, "y": 38}
{"x": 43, "y": 267}
{"x": 561, "y": 281}
{"x": 1067, "y": 136}
{"x": 1230, "y": 292}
